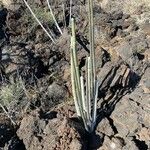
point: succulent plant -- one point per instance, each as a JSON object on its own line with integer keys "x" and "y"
{"x": 85, "y": 97}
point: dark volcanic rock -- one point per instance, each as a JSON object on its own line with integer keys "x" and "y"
{"x": 49, "y": 134}
{"x": 14, "y": 144}
{"x": 3, "y": 15}
{"x": 6, "y": 132}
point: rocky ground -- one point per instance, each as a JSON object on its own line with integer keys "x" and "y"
{"x": 35, "y": 88}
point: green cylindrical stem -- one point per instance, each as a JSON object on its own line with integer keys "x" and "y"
{"x": 83, "y": 94}
{"x": 89, "y": 87}
{"x": 73, "y": 81}
{"x": 75, "y": 52}
{"x": 92, "y": 49}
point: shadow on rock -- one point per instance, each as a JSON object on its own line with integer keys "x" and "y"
{"x": 115, "y": 82}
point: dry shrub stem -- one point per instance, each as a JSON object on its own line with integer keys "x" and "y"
{"x": 39, "y": 22}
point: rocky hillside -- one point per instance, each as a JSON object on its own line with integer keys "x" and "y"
{"x": 36, "y": 104}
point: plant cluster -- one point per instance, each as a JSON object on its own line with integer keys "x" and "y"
{"x": 10, "y": 94}
{"x": 85, "y": 97}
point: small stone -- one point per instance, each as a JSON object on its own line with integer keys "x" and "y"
{"x": 126, "y": 24}
{"x": 145, "y": 81}
{"x": 144, "y": 134}
{"x": 75, "y": 145}
{"x": 124, "y": 50}
{"x": 117, "y": 15}
{"x": 111, "y": 144}
{"x": 146, "y": 29}
{"x": 125, "y": 117}
{"x": 56, "y": 90}
{"x": 130, "y": 145}
{"x": 105, "y": 127}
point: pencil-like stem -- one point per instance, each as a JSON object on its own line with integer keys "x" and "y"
{"x": 83, "y": 93}
{"x": 75, "y": 52}
{"x": 92, "y": 49}
{"x": 89, "y": 87}
{"x": 95, "y": 104}
{"x": 74, "y": 91}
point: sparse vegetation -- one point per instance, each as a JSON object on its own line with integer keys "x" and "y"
{"x": 11, "y": 93}
{"x": 106, "y": 105}
{"x": 39, "y": 22}
{"x": 41, "y": 14}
